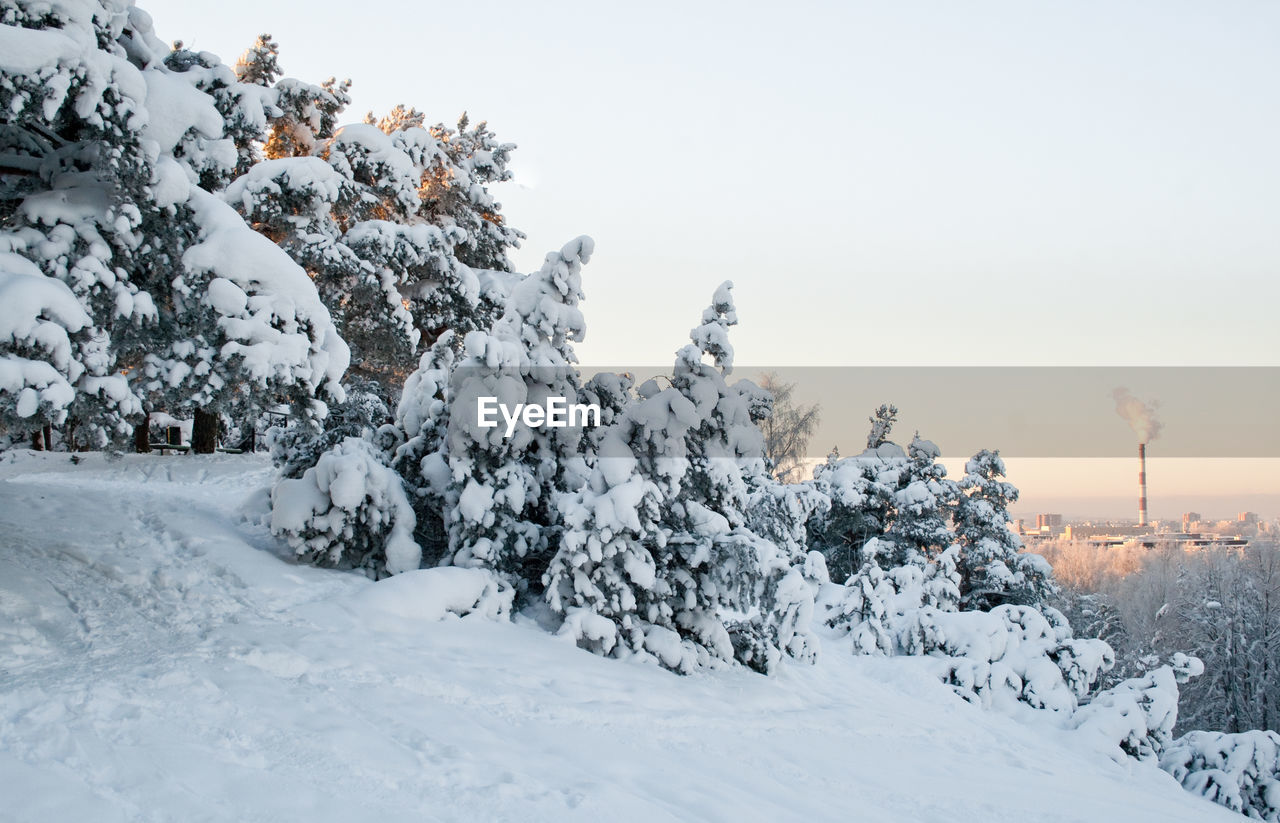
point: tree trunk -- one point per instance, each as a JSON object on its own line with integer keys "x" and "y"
{"x": 37, "y": 440}
{"x": 142, "y": 436}
{"x": 48, "y": 437}
{"x": 204, "y": 433}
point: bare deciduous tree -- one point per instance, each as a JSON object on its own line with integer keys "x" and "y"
{"x": 787, "y": 430}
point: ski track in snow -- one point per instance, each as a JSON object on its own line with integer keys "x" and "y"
{"x": 162, "y": 659}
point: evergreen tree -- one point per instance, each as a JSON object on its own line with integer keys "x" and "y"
{"x": 421, "y": 455}
{"x": 861, "y": 491}
{"x": 243, "y": 105}
{"x": 882, "y": 421}
{"x": 993, "y": 570}
{"x": 922, "y": 500}
{"x": 656, "y": 557}
{"x": 260, "y": 63}
{"x": 501, "y": 493}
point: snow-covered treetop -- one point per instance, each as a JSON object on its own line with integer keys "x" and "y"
{"x": 542, "y": 311}
{"x": 882, "y": 421}
{"x": 712, "y": 336}
{"x": 260, "y": 63}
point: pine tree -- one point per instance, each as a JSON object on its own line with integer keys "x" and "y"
{"x": 882, "y": 421}
{"x": 244, "y": 105}
{"x": 500, "y": 513}
{"x": 399, "y": 118}
{"x": 656, "y": 557}
{"x": 992, "y": 569}
{"x": 861, "y": 492}
{"x": 921, "y": 502}
{"x": 189, "y": 313}
{"x": 421, "y": 452}
{"x": 260, "y": 63}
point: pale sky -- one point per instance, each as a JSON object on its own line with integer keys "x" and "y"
{"x": 928, "y": 183}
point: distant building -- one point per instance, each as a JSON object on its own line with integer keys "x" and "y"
{"x": 1190, "y": 518}
{"x": 1048, "y": 521}
{"x": 1247, "y": 517}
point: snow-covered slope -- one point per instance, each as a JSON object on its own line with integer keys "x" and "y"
{"x": 162, "y": 659}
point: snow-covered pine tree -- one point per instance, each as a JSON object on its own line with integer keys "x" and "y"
{"x": 1135, "y": 718}
{"x": 299, "y": 115}
{"x": 500, "y": 512}
{"x": 612, "y": 393}
{"x": 246, "y": 328}
{"x": 882, "y": 420}
{"x": 304, "y": 115}
{"x": 1239, "y": 771}
{"x": 112, "y": 206}
{"x": 655, "y": 557}
{"x": 715, "y": 564}
{"x": 777, "y": 512}
{"x": 865, "y": 606}
{"x": 861, "y": 492}
{"x": 921, "y": 503}
{"x": 414, "y": 289}
{"x": 298, "y": 202}
{"x": 381, "y": 240}
{"x": 421, "y": 427}
{"x": 75, "y": 167}
{"x": 260, "y": 63}
{"x": 993, "y": 571}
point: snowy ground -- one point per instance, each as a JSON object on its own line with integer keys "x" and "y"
{"x": 160, "y": 659}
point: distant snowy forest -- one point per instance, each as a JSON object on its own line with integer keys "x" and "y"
{"x": 183, "y": 239}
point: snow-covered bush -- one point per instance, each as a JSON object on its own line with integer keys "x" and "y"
{"x": 1010, "y": 654}
{"x": 1240, "y": 771}
{"x": 362, "y": 413}
{"x": 435, "y": 594}
{"x": 348, "y": 511}
{"x": 1135, "y": 718}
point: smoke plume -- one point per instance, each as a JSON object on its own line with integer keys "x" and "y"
{"x": 1140, "y": 416}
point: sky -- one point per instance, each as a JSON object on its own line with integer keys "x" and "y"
{"x": 909, "y": 183}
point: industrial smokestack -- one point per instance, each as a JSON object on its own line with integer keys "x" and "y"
{"x": 1142, "y": 484}
{"x": 1142, "y": 418}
